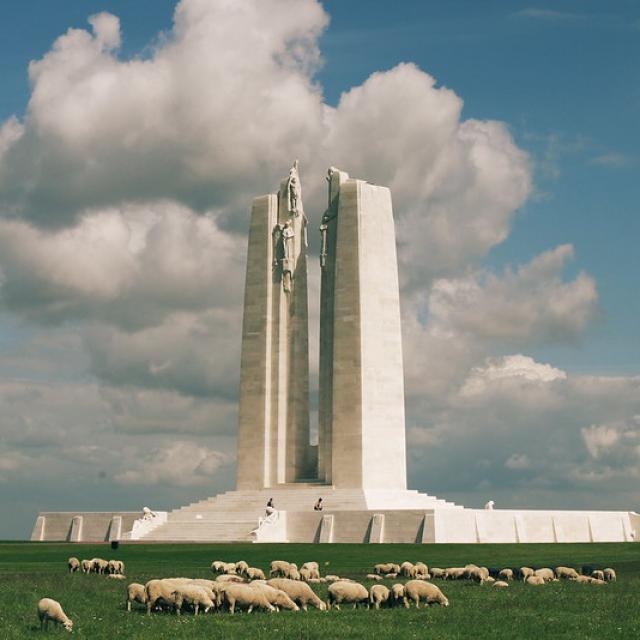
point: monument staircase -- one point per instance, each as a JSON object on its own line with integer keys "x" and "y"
{"x": 231, "y": 516}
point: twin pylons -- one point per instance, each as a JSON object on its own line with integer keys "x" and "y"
{"x": 361, "y": 439}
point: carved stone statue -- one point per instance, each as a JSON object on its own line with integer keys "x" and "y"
{"x": 294, "y": 191}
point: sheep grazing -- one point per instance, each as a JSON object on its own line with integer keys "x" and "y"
{"x": 332, "y": 578}
{"x": 546, "y": 574}
{"x": 244, "y": 596}
{"x": 610, "y": 575}
{"x": 534, "y": 580}
{"x": 217, "y": 566}
{"x": 379, "y": 595}
{"x": 500, "y": 584}
{"x": 311, "y": 570}
{"x": 241, "y": 567}
{"x": 437, "y": 573}
{"x": 566, "y": 573}
{"x": 479, "y": 574}
{"x": 525, "y": 572}
{"x": 421, "y": 568}
{"x": 229, "y": 577}
{"x": 100, "y": 565}
{"x": 49, "y": 609}
{"x": 229, "y": 568}
{"x": 373, "y": 576}
{"x": 408, "y": 570}
{"x": 506, "y": 574}
{"x": 116, "y": 576}
{"x": 193, "y": 595}
{"x": 86, "y": 566}
{"x": 73, "y": 565}
{"x": 252, "y": 573}
{"x": 347, "y": 592}
{"x": 454, "y": 573}
{"x": 398, "y": 596}
{"x": 598, "y": 574}
{"x": 300, "y": 592}
{"x": 279, "y": 569}
{"x": 417, "y": 591}
{"x": 115, "y": 567}
{"x": 162, "y": 592}
{"x": 390, "y": 576}
{"x": 387, "y": 567}
{"x": 136, "y": 593}
{"x": 278, "y": 598}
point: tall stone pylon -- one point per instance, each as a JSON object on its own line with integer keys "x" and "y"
{"x": 273, "y": 434}
{"x": 361, "y": 410}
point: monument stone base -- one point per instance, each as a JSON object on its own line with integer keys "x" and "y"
{"x": 349, "y": 516}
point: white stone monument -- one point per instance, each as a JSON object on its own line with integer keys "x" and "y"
{"x": 359, "y": 465}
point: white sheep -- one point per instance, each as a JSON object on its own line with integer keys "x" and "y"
{"x": 500, "y": 584}
{"x": 610, "y": 575}
{"x": 379, "y": 594}
{"x": 229, "y": 577}
{"x": 525, "y": 572}
{"x": 49, "y": 609}
{"x": 398, "y": 595}
{"x": 241, "y": 567}
{"x": 243, "y": 596}
{"x": 566, "y": 573}
{"x": 479, "y": 574}
{"x": 343, "y": 591}
{"x": 117, "y": 576}
{"x": 390, "y": 576}
{"x": 136, "y": 593}
{"x": 534, "y": 581}
{"x": 373, "y": 576}
{"x": 162, "y": 591}
{"x": 73, "y": 564}
{"x": 194, "y": 595}
{"x": 506, "y": 574}
{"x": 421, "y": 568}
{"x": 437, "y": 572}
{"x": 253, "y": 573}
{"x": 418, "y": 590}
{"x": 279, "y": 569}
{"x": 116, "y": 566}
{"x": 300, "y": 592}
{"x": 229, "y": 568}
{"x": 87, "y": 566}
{"x": 217, "y": 566}
{"x": 408, "y": 570}
{"x": 332, "y": 578}
{"x": 597, "y": 574}
{"x": 454, "y": 573}
{"x": 546, "y": 574}
{"x": 312, "y": 569}
{"x": 276, "y": 597}
{"x": 387, "y": 567}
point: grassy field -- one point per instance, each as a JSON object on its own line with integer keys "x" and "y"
{"x": 29, "y": 572}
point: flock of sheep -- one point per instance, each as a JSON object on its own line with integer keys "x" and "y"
{"x": 237, "y": 586}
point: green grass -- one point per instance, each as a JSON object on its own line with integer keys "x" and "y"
{"x": 29, "y": 572}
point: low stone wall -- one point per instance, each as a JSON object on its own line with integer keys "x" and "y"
{"x": 69, "y": 526}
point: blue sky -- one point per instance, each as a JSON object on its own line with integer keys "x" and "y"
{"x": 562, "y": 78}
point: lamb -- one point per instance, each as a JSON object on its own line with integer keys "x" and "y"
{"x": 408, "y": 570}
{"x": 49, "y": 609}
{"x": 373, "y": 576}
{"x": 610, "y": 575}
{"x": 252, "y": 573}
{"x": 194, "y": 595}
{"x": 378, "y": 595}
{"x": 506, "y": 574}
{"x": 500, "y": 584}
{"x": 244, "y": 596}
{"x": 598, "y": 574}
{"x": 417, "y": 590}
{"x": 86, "y": 566}
{"x": 546, "y": 574}
{"x": 566, "y": 573}
{"x": 136, "y": 593}
{"x": 278, "y": 598}
{"x": 398, "y": 595}
{"x": 344, "y": 591}
{"x": 300, "y": 592}
{"x": 534, "y": 580}
{"x": 525, "y": 572}
{"x": 388, "y": 567}
{"x": 73, "y": 565}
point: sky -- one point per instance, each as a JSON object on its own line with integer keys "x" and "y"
{"x": 133, "y": 136}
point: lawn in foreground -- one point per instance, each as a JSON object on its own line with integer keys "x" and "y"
{"x": 31, "y": 571}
